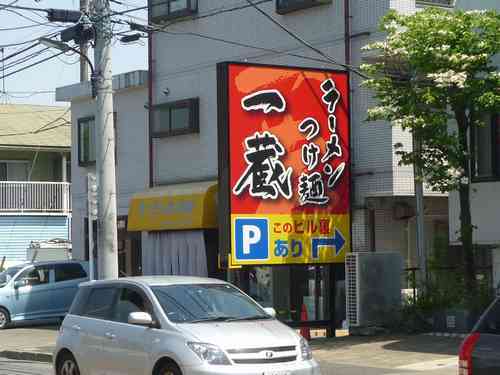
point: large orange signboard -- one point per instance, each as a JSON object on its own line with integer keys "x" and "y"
{"x": 284, "y": 164}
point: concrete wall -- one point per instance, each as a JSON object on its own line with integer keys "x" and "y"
{"x": 132, "y": 170}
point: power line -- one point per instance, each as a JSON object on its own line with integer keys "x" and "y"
{"x": 24, "y": 27}
{"x": 304, "y": 42}
{"x": 32, "y": 65}
{"x": 156, "y": 28}
{"x": 25, "y": 17}
{"x": 11, "y": 6}
{"x": 20, "y": 52}
{"x": 27, "y": 58}
{"x": 7, "y": 5}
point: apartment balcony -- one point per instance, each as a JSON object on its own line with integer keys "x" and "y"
{"x": 35, "y": 197}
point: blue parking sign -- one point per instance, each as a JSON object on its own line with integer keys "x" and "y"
{"x": 251, "y": 239}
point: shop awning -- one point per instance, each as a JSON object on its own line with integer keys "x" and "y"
{"x": 174, "y": 207}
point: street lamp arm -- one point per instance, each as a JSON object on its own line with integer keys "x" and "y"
{"x": 85, "y": 57}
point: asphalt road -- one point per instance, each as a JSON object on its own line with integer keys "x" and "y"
{"x": 8, "y": 367}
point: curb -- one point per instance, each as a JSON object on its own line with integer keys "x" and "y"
{"x": 26, "y": 356}
{"x": 446, "y": 334}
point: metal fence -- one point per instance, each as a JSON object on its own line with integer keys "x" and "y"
{"x": 35, "y": 196}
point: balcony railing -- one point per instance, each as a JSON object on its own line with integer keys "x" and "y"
{"x": 53, "y": 197}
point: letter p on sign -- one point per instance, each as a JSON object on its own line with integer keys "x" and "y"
{"x": 251, "y": 239}
{"x": 251, "y": 236}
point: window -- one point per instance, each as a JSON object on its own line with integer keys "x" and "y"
{"x": 69, "y": 271}
{"x": 130, "y": 301}
{"x": 439, "y": 3}
{"x": 100, "y": 303}
{"x": 205, "y": 302}
{"x": 287, "y": 6}
{"x": 168, "y": 9}
{"x": 35, "y": 276}
{"x": 86, "y": 141}
{"x": 14, "y": 170}
{"x": 87, "y": 136}
{"x": 176, "y": 118}
{"x": 486, "y": 149}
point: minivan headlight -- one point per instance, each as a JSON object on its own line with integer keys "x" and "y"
{"x": 305, "y": 350}
{"x": 209, "y": 353}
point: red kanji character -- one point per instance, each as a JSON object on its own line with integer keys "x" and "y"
{"x": 298, "y": 226}
{"x": 324, "y": 226}
{"x": 311, "y": 227}
{"x": 287, "y": 228}
{"x": 277, "y": 227}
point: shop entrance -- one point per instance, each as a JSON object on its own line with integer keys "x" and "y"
{"x": 302, "y": 295}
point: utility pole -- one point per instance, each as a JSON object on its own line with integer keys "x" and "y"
{"x": 105, "y": 159}
{"x": 419, "y": 219}
{"x": 84, "y": 68}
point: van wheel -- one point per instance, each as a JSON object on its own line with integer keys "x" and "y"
{"x": 67, "y": 365}
{"x": 4, "y": 318}
{"x": 169, "y": 369}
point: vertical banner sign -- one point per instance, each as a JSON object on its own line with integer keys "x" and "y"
{"x": 284, "y": 164}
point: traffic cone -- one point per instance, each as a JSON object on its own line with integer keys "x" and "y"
{"x": 305, "y": 332}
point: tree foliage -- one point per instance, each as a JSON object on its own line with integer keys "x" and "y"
{"x": 431, "y": 65}
{"x": 435, "y": 75}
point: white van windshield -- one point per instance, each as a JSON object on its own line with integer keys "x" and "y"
{"x": 196, "y": 303}
{"x": 8, "y": 274}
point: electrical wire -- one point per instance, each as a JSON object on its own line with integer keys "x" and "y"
{"x": 157, "y": 28}
{"x": 4, "y": 6}
{"x": 24, "y": 27}
{"x": 305, "y": 42}
{"x": 25, "y": 17}
{"x": 32, "y": 65}
{"x": 12, "y": 6}
{"x": 26, "y": 58}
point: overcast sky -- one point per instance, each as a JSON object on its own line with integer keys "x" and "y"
{"x": 59, "y": 71}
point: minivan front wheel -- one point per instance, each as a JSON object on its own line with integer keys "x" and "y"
{"x": 67, "y": 365}
{"x": 169, "y": 369}
{"x": 4, "y": 318}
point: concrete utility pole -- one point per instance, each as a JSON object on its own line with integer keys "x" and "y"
{"x": 84, "y": 68}
{"x": 105, "y": 159}
{"x": 419, "y": 219}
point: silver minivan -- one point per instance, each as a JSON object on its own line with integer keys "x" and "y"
{"x": 167, "y": 325}
{"x": 41, "y": 290}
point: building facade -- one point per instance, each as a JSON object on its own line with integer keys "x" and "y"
{"x": 35, "y": 188}
{"x": 485, "y": 205}
{"x": 130, "y": 108}
{"x": 169, "y": 156}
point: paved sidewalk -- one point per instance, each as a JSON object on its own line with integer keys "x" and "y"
{"x": 398, "y": 352}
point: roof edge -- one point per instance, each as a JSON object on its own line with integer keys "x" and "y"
{"x": 82, "y": 90}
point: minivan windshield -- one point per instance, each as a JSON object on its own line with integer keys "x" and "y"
{"x": 197, "y": 303}
{"x": 8, "y": 274}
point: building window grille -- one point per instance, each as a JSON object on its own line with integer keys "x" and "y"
{"x": 168, "y": 9}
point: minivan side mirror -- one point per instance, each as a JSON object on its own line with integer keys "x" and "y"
{"x": 140, "y": 319}
{"x": 19, "y": 283}
{"x": 270, "y": 311}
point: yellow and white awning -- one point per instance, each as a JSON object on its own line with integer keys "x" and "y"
{"x": 174, "y": 207}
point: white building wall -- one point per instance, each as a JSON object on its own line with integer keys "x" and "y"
{"x": 132, "y": 170}
{"x": 186, "y": 66}
{"x": 485, "y": 202}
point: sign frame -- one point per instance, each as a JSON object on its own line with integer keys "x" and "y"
{"x": 224, "y": 154}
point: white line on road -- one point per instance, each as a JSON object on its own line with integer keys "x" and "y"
{"x": 431, "y": 365}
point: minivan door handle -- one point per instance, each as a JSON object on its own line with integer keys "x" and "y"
{"x": 76, "y": 327}
{"x": 110, "y": 335}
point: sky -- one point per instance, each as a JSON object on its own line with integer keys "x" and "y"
{"x": 63, "y": 70}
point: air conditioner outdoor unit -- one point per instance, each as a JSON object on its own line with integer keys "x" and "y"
{"x": 373, "y": 288}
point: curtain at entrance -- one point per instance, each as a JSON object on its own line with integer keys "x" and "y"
{"x": 175, "y": 253}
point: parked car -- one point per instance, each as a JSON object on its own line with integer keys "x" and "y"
{"x": 40, "y": 290}
{"x": 176, "y": 326}
{"x": 480, "y": 351}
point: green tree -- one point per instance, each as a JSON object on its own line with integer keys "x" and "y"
{"x": 434, "y": 75}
